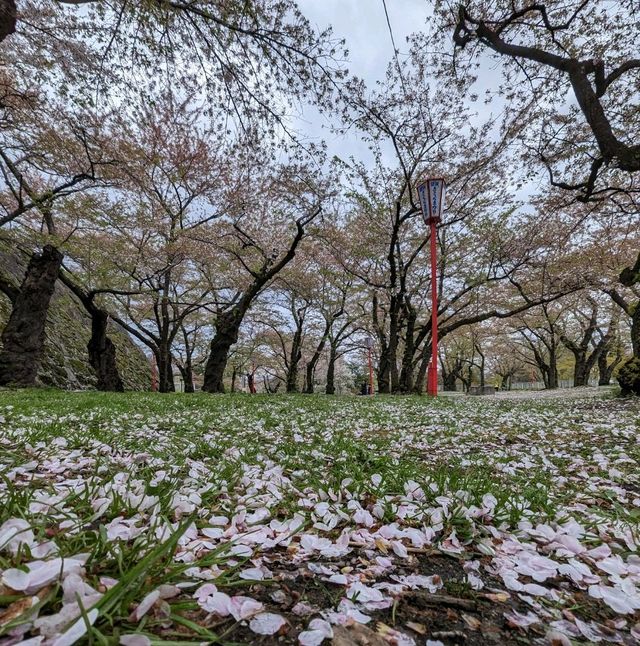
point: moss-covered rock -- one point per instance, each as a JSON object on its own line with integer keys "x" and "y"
{"x": 66, "y": 362}
{"x": 629, "y": 377}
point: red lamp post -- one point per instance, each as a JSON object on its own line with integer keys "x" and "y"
{"x": 431, "y": 196}
{"x": 369, "y": 344}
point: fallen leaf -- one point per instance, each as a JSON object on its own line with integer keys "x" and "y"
{"x": 421, "y": 629}
{"x": 356, "y": 635}
{"x": 472, "y": 622}
{"x": 16, "y": 609}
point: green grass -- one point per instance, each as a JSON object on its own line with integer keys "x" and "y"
{"x": 532, "y": 456}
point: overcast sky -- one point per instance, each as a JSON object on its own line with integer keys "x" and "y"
{"x": 363, "y": 24}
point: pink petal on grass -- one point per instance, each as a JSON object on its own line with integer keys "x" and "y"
{"x": 16, "y": 579}
{"x": 318, "y": 631}
{"x": 77, "y": 630}
{"x": 252, "y": 574}
{"x": 135, "y": 640}
{"x": 267, "y": 623}
{"x": 616, "y": 599}
{"x": 244, "y": 607}
{"x": 205, "y": 591}
{"x": 399, "y": 549}
{"x": 34, "y": 641}
{"x": 146, "y": 604}
{"x": 516, "y": 618}
{"x": 302, "y": 609}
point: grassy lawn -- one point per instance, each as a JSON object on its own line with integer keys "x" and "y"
{"x": 146, "y": 518}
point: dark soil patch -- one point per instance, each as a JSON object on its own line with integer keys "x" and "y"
{"x": 457, "y": 614}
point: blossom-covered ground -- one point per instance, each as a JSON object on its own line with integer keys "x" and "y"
{"x": 141, "y": 519}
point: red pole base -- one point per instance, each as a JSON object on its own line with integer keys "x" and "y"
{"x": 432, "y": 381}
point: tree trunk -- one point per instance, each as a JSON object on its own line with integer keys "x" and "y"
{"x": 394, "y": 331}
{"x": 234, "y": 377}
{"x": 449, "y": 381}
{"x": 313, "y": 362}
{"x": 7, "y": 18}
{"x": 553, "y": 372}
{"x": 227, "y": 328}
{"x": 296, "y": 355}
{"x": 635, "y": 330}
{"x": 309, "y": 379}
{"x": 102, "y": 353}
{"x": 331, "y": 372}
{"x": 387, "y": 349}
{"x": 23, "y": 337}
{"x": 606, "y": 367}
{"x": 406, "y": 372}
{"x": 165, "y": 370}
{"x": 420, "y": 381}
{"x": 604, "y": 374}
{"x": 189, "y": 386}
{"x": 580, "y": 374}
{"x": 384, "y": 370}
{"x": 187, "y": 376}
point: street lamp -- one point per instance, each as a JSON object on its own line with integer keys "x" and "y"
{"x": 368, "y": 342}
{"x": 431, "y": 196}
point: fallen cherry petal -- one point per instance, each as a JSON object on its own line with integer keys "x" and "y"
{"x": 267, "y": 623}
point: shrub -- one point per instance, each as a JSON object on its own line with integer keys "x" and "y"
{"x": 629, "y": 377}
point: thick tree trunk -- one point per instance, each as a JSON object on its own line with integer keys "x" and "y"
{"x": 101, "y": 349}
{"x": 635, "y": 330}
{"x": 331, "y": 373}
{"x": 388, "y": 377}
{"x": 217, "y": 362}
{"x": 309, "y": 379}
{"x": 553, "y": 372}
{"x": 482, "y": 372}
{"x": 186, "y": 372}
{"x": 394, "y": 332}
{"x": 406, "y": 372}
{"x": 580, "y": 374}
{"x": 605, "y": 371}
{"x": 384, "y": 370}
{"x": 449, "y": 381}
{"x": 296, "y": 355}
{"x": 166, "y": 383}
{"x": 102, "y": 353}
{"x": 23, "y": 337}
{"x": 234, "y": 377}
{"x": 189, "y": 386}
{"x": 421, "y": 376}
{"x": 607, "y": 367}
{"x": 7, "y": 18}
{"x": 227, "y": 328}
{"x": 313, "y": 362}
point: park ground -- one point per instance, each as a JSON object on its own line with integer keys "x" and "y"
{"x": 144, "y": 519}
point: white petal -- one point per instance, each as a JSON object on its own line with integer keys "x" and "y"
{"x": 146, "y": 604}
{"x": 135, "y": 640}
{"x": 77, "y": 630}
{"x": 267, "y": 623}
